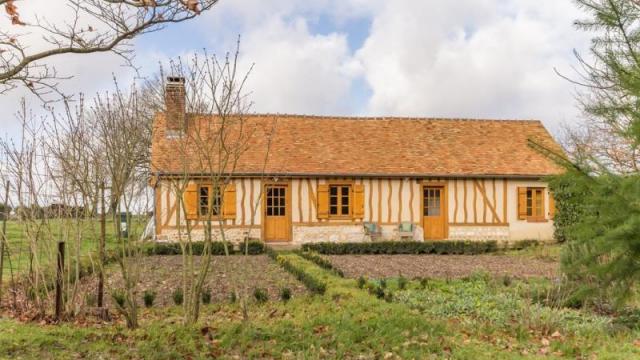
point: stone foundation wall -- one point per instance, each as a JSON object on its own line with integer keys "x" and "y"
{"x": 332, "y": 233}
{"x": 347, "y": 233}
{"x": 234, "y": 235}
{"x": 499, "y": 233}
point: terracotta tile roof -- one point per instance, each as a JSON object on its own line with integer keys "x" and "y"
{"x": 318, "y": 145}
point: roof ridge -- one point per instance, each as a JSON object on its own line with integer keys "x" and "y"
{"x": 374, "y": 118}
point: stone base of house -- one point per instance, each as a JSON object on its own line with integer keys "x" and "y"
{"x": 302, "y": 234}
{"x": 234, "y": 235}
{"x": 499, "y": 233}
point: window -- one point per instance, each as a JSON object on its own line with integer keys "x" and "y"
{"x": 208, "y": 200}
{"x": 535, "y": 203}
{"x": 276, "y": 201}
{"x": 339, "y": 200}
{"x": 432, "y": 201}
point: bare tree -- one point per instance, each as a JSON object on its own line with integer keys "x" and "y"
{"x": 215, "y": 134}
{"x": 92, "y": 26}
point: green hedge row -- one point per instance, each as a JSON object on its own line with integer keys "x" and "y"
{"x": 217, "y": 248}
{"x": 314, "y": 285}
{"x": 404, "y": 247}
{"x": 320, "y": 261}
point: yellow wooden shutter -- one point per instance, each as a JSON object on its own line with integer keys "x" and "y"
{"x": 229, "y": 210}
{"x": 323, "y": 201}
{"x": 522, "y": 203}
{"x": 358, "y": 201}
{"x": 191, "y": 201}
{"x": 552, "y": 206}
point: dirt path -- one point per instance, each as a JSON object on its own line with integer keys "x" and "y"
{"x": 441, "y": 266}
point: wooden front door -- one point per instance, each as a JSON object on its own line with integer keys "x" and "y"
{"x": 434, "y": 212}
{"x": 276, "y": 213}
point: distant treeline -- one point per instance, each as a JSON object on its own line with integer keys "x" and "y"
{"x": 41, "y": 212}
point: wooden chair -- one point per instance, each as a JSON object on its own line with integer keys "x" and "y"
{"x": 405, "y": 230}
{"x": 373, "y": 231}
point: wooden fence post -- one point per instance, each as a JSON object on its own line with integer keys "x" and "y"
{"x": 101, "y": 248}
{"x": 59, "y": 278}
{"x": 3, "y": 236}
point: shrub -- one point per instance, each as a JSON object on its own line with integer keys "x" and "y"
{"x": 424, "y": 282}
{"x": 254, "y": 247}
{"x": 506, "y": 280}
{"x": 402, "y": 282}
{"x": 118, "y": 297}
{"x": 361, "y": 282}
{"x": 314, "y": 285}
{"x": 383, "y": 283}
{"x": 233, "y": 297}
{"x": 149, "y": 297}
{"x": 260, "y": 295}
{"x": 378, "y": 291}
{"x": 522, "y": 244}
{"x": 404, "y": 247}
{"x": 205, "y": 296}
{"x": 178, "y": 296}
{"x": 320, "y": 261}
{"x": 285, "y": 294}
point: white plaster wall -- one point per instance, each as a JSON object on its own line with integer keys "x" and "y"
{"x": 522, "y": 229}
{"x": 248, "y": 194}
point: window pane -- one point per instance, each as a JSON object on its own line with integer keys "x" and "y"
{"x": 333, "y": 200}
{"x": 216, "y": 204}
{"x": 333, "y": 190}
{"x": 203, "y": 200}
{"x": 269, "y": 211}
{"x": 434, "y": 211}
{"x": 282, "y": 211}
{"x": 345, "y": 210}
{"x": 345, "y": 191}
{"x": 333, "y": 210}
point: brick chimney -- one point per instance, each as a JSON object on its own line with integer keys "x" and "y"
{"x": 174, "y": 101}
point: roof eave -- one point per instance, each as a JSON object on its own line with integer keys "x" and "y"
{"x": 358, "y": 175}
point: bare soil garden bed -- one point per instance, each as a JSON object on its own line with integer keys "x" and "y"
{"x": 441, "y": 266}
{"x": 163, "y": 274}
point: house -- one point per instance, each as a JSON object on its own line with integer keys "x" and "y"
{"x": 323, "y": 178}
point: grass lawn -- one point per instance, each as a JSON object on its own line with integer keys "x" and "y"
{"x": 52, "y": 231}
{"x": 477, "y": 317}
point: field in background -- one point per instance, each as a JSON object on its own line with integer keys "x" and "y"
{"x": 50, "y": 232}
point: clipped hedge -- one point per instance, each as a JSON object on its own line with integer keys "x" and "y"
{"x": 405, "y": 247}
{"x": 320, "y": 261}
{"x": 217, "y": 248}
{"x": 314, "y": 285}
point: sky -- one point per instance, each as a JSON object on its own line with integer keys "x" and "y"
{"x": 494, "y": 59}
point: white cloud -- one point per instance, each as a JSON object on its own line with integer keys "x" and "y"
{"x": 296, "y": 71}
{"x": 472, "y": 59}
{"x": 466, "y": 58}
